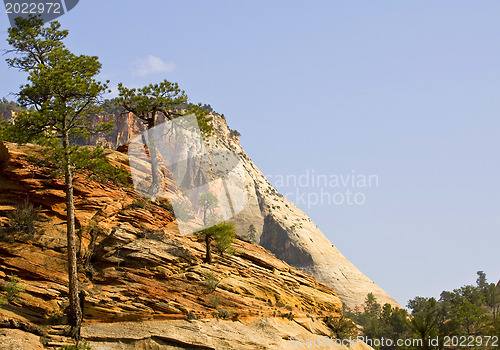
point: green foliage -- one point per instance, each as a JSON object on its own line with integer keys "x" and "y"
{"x": 112, "y": 106}
{"x": 214, "y": 301}
{"x": 55, "y": 316}
{"x": 61, "y": 94}
{"x": 202, "y": 117}
{"x": 33, "y": 43}
{"x": 223, "y": 237}
{"x": 207, "y": 108}
{"x": 341, "y": 327}
{"x": 13, "y": 288}
{"x": 463, "y": 311}
{"x": 9, "y": 106}
{"x": 211, "y": 282}
{"x": 61, "y": 90}
{"x": 90, "y": 161}
{"x": 224, "y": 314}
{"x": 222, "y": 233}
{"x": 207, "y": 202}
{"x": 234, "y": 133}
{"x": 381, "y": 322}
{"x": 147, "y": 102}
{"x": 251, "y": 233}
{"x": 65, "y": 96}
{"x": 165, "y": 98}
{"x": 95, "y": 160}
{"x": 3, "y": 301}
{"x": 490, "y": 293}
{"x": 79, "y": 346}
{"x": 23, "y": 218}
{"x": 466, "y": 311}
{"x": 142, "y": 203}
{"x": 425, "y": 317}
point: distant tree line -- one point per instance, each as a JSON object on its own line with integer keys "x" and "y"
{"x": 466, "y": 317}
{"x": 9, "y": 106}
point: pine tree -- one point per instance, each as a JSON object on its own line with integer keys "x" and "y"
{"x": 61, "y": 94}
{"x": 151, "y": 101}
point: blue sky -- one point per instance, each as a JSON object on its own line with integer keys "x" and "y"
{"x": 409, "y": 91}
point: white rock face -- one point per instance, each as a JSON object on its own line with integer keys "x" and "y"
{"x": 290, "y": 234}
{"x": 280, "y": 226}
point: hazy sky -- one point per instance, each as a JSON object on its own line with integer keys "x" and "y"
{"x": 408, "y": 91}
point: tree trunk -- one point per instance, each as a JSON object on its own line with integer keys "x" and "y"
{"x": 208, "y": 256}
{"x": 155, "y": 179}
{"x": 74, "y": 301}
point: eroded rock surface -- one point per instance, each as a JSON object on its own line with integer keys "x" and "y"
{"x": 145, "y": 285}
{"x": 299, "y": 241}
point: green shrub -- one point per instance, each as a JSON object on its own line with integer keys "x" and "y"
{"x": 224, "y": 237}
{"x": 3, "y": 301}
{"x": 13, "y": 288}
{"x": 55, "y": 316}
{"x": 214, "y": 301}
{"x": 95, "y": 160}
{"x": 341, "y": 327}
{"x": 234, "y": 133}
{"x": 79, "y": 346}
{"x": 167, "y": 205}
{"x": 183, "y": 211}
{"x": 7, "y": 106}
{"x": 142, "y": 203}
{"x": 224, "y": 314}
{"x": 23, "y": 218}
{"x": 211, "y": 282}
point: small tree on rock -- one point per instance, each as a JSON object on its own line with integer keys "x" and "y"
{"x": 251, "y": 233}
{"x": 221, "y": 234}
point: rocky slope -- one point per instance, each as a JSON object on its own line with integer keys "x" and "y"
{"x": 299, "y": 241}
{"x": 281, "y": 227}
{"x": 145, "y": 285}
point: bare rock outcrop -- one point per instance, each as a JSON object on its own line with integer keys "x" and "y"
{"x": 259, "y": 333}
{"x": 281, "y": 227}
{"x": 143, "y": 284}
{"x": 290, "y": 234}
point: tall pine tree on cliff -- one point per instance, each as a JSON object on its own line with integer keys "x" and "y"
{"x": 61, "y": 95}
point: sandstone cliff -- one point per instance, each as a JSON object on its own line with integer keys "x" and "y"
{"x": 299, "y": 241}
{"x": 145, "y": 286}
{"x": 281, "y": 227}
